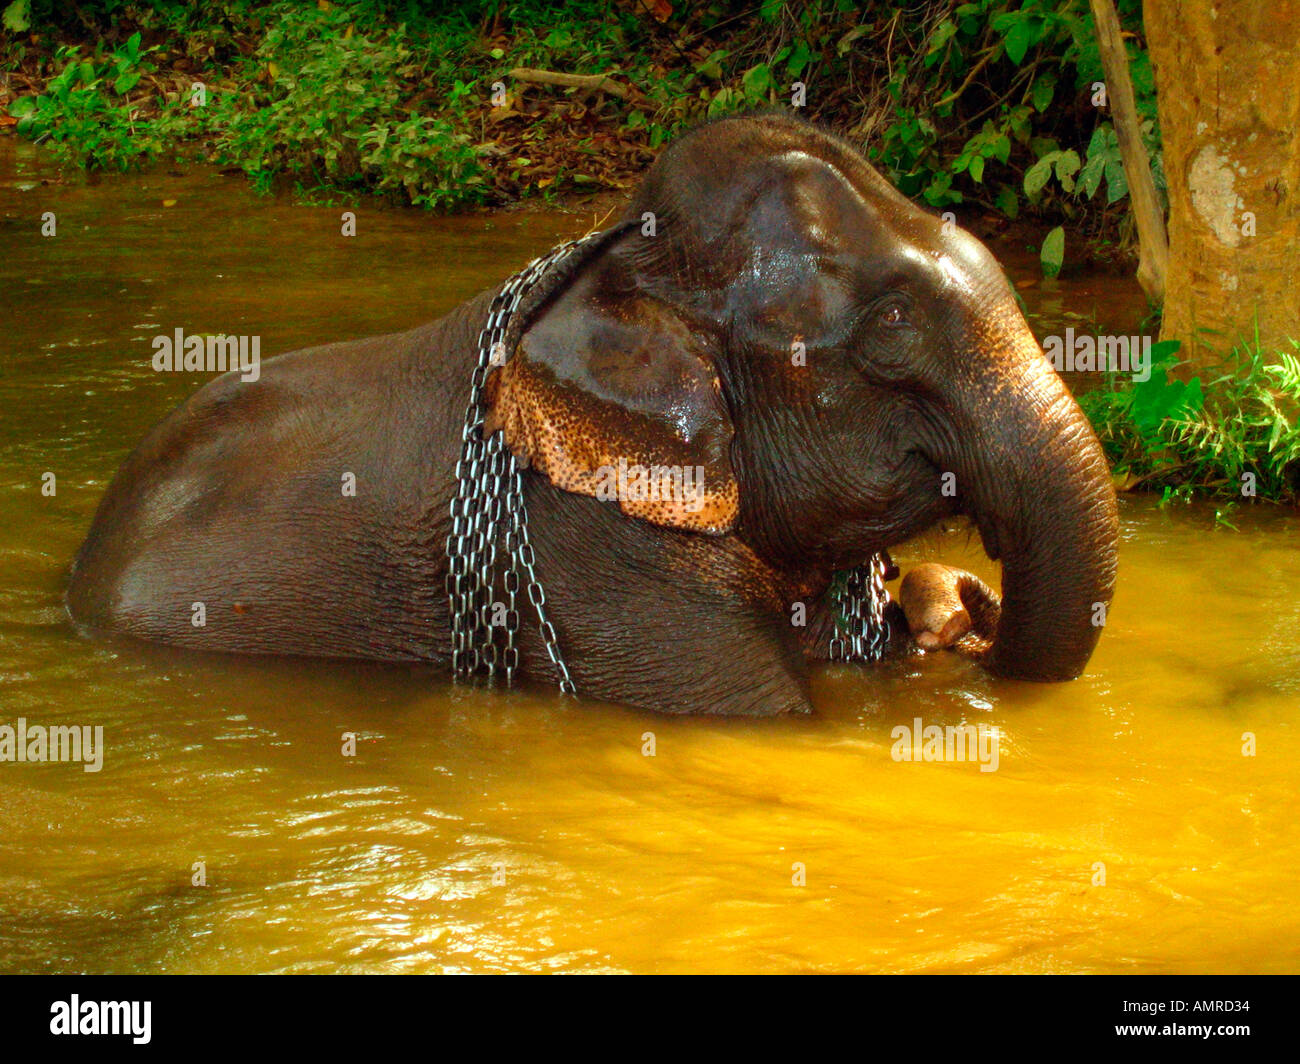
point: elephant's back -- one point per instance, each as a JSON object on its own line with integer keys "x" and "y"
{"x": 305, "y": 511}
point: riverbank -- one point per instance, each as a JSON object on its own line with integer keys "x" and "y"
{"x": 461, "y": 108}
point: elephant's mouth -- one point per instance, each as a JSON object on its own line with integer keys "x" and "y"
{"x": 1036, "y": 487}
{"x": 988, "y": 533}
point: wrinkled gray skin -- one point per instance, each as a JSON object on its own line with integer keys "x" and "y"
{"x": 675, "y": 348}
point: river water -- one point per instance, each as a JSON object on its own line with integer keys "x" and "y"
{"x": 1127, "y": 829}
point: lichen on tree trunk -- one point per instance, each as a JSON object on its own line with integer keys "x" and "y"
{"x": 1228, "y": 83}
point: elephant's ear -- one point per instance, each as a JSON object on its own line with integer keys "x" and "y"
{"x": 611, "y": 392}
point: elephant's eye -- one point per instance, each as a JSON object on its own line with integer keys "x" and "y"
{"x": 893, "y": 313}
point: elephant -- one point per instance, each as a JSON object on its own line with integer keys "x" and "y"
{"x": 838, "y": 368}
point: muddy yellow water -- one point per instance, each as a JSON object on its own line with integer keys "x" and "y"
{"x": 1141, "y": 819}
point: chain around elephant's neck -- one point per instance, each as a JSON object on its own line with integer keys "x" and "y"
{"x": 490, "y": 497}
{"x": 859, "y": 596}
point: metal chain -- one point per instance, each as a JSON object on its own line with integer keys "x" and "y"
{"x": 489, "y": 497}
{"x": 861, "y": 602}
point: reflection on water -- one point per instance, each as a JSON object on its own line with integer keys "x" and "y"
{"x": 476, "y": 832}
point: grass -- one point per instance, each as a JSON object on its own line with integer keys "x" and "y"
{"x": 1234, "y": 438}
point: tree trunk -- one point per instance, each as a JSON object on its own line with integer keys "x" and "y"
{"x": 1228, "y": 84}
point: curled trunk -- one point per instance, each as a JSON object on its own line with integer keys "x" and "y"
{"x": 1035, "y": 480}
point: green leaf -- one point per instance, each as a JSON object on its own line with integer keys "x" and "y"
{"x": 24, "y": 105}
{"x": 1116, "y": 179}
{"x": 1163, "y": 350}
{"x": 846, "y": 42}
{"x": 942, "y": 34}
{"x": 712, "y": 66}
{"x": 1157, "y": 399}
{"x": 1091, "y": 174}
{"x": 1067, "y": 165}
{"x": 999, "y": 148}
{"x": 1052, "y": 254}
{"x": 1020, "y": 122}
{"x": 977, "y": 169}
{"x": 59, "y": 85}
{"x": 1022, "y": 34}
{"x": 17, "y": 16}
{"x": 125, "y": 82}
{"x": 1037, "y": 175}
{"x": 1042, "y": 92}
{"x": 1088, "y": 64}
{"x": 1144, "y": 81}
{"x": 757, "y": 81}
{"x": 939, "y": 193}
{"x": 1008, "y": 203}
{"x": 799, "y": 58}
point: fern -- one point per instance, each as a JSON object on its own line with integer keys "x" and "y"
{"x": 1184, "y": 438}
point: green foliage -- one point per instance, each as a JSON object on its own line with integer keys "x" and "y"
{"x": 86, "y": 113}
{"x": 1190, "y": 439}
{"x": 1064, "y": 164}
{"x": 425, "y": 159}
{"x": 331, "y": 114}
{"x": 17, "y": 17}
{"x": 986, "y": 102}
{"x": 1025, "y": 72}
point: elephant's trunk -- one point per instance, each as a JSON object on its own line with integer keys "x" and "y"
{"x": 1038, "y": 485}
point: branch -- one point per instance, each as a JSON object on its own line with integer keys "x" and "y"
{"x": 989, "y": 53}
{"x": 594, "y": 82}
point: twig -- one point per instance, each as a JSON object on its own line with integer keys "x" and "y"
{"x": 597, "y": 82}
{"x": 998, "y": 102}
{"x": 725, "y": 22}
{"x": 989, "y": 53}
{"x": 672, "y": 39}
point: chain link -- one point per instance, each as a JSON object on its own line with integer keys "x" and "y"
{"x": 489, "y": 499}
{"x": 861, "y": 602}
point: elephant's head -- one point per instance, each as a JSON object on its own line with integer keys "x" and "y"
{"x": 842, "y": 367}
